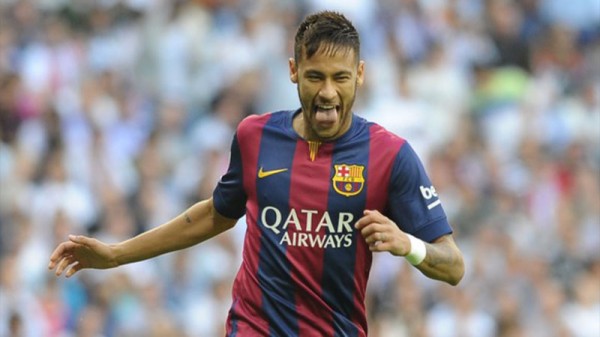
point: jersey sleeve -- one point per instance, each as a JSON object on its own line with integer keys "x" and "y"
{"x": 413, "y": 202}
{"x": 229, "y": 196}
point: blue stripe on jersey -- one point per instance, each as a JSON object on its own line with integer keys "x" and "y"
{"x": 275, "y": 154}
{"x": 411, "y": 209}
{"x": 234, "y": 321}
{"x": 339, "y": 264}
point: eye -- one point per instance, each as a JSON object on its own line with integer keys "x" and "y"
{"x": 313, "y": 77}
{"x": 342, "y": 79}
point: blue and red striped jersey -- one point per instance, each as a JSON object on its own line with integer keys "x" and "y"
{"x": 305, "y": 267}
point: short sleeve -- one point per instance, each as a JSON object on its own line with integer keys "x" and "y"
{"x": 413, "y": 201}
{"x": 229, "y": 196}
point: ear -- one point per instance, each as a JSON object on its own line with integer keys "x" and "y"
{"x": 293, "y": 70}
{"x": 360, "y": 74}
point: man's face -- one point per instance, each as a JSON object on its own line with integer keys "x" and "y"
{"x": 327, "y": 84}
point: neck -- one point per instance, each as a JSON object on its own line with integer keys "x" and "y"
{"x": 302, "y": 128}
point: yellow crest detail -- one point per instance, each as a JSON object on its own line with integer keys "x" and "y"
{"x": 314, "y": 149}
{"x": 348, "y": 180}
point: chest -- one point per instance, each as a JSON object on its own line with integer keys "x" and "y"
{"x": 316, "y": 178}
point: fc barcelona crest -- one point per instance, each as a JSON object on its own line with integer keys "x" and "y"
{"x": 348, "y": 180}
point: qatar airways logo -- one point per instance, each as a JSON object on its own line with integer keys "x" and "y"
{"x": 316, "y": 230}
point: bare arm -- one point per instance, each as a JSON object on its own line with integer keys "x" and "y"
{"x": 197, "y": 224}
{"x": 443, "y": 260}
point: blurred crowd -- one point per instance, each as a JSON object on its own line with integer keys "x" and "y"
{"x": 116, "y": 115}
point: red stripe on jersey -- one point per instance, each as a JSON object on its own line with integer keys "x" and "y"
{"x": 248, "y": 315}
{"x": 309, "y": 190}
{"x": 382, "y": 147}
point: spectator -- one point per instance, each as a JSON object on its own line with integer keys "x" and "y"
{"x": 104, "y": 106}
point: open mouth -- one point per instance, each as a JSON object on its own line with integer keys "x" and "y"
{"x": 326, "y": 115}
{"x": 330, "y": 110}
{"x": 327, "y": 108}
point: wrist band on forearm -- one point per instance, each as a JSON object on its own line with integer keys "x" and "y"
{"x": 418, "y": 251}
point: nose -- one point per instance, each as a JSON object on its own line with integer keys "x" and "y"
{"x": 328, "y": 91}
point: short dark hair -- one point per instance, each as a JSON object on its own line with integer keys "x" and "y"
{"x": 325, "y": 29}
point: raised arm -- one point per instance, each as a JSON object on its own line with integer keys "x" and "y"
{"x": 197, "y": 224}
{"x": 440, "y": 260}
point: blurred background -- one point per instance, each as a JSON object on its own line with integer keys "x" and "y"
{"x": 116, "y": 115}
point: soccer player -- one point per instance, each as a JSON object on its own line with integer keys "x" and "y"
{"x": 321, "y": 188}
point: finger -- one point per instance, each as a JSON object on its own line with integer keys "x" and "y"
{"x": 80, "y": 239}
{"x": 369, "y": 216}
{"x": 63, "y": 264}
{"x": 365, "y": 220}
{"x": 74, "y": 268}
{"x": 66, "y": 248}
{"x": 371, "y": 239}
{"x": 371, "y": 229}
{"x": 60, "y": 266}
{"x": 374, "y": 238}
{"x": 381, "y": 247}
{"x": 376, "y": 216}
{"x": 62, "y": 249}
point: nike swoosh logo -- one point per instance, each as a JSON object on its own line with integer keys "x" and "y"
{"x": 263, "y": 174}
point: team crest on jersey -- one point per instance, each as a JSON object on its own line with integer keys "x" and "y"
{"x": 348, "y": 180}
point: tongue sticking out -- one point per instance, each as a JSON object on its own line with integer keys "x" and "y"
{"x": 326, "y": 114}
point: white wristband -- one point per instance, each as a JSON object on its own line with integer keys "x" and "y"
{"x": 418, "y": 251}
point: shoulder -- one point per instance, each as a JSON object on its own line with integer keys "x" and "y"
{"x": 381, "y": 138}
{"x": 382, "y": 134}
{"x": 254, "y": 122}
{"x": 252, "y": 125}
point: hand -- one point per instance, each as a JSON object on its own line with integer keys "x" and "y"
{"x": 382, "y": 234}
{"x": 81, "y": 252}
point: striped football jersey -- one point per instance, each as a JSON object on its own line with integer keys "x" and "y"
{"x": 305, "y": 267}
